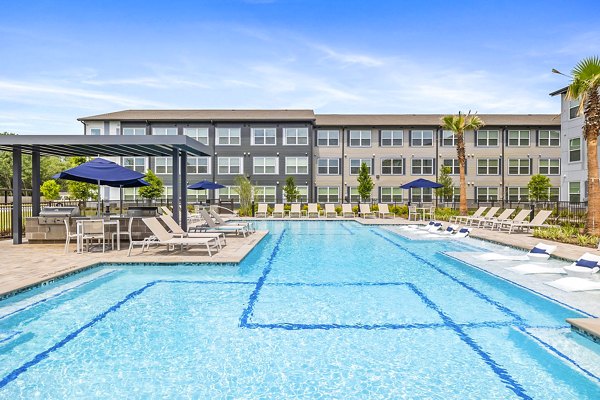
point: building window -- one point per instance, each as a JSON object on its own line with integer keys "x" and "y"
{"x": 360, "y": 138}
{"x": 229, "y": 165}
{"x": 392, "y": 166}
{"x": 517, "y": 193}
{"x": 302, "y": 195}
{"x": 549, "y": 138}
{"x": 295, "y": 136}
{"x": 328, "y": 194}
{"x": 134, "y": 131}
{"x": 554, "y": 193}
{"x": 519, "y": 166}
{"x": 488, "y": 166}
{"x": 164, "y": 131}
{"x": 355, "y": 164}
{"x": 422, "y": 166}
{"x": 353, "y": 195}
{"x": 486, "y": 193}
{"x": 137, "y": 164}
{"x": 452, "y": 163}
{"x": 392, "y": 138}
{"x": 573, "y": 108}
{"x": 421, "y": 195}
{"x": 575, "y": 150}
{"x": 265, "y": 194}
{"x": 488, "y": 138}
{"x": 200, "y": 134}
{"x": 168, "y": 193}
{"x": 421, "y": 138}
{"x": 328, "y": 138}
{"x": 130, "y": 194}
{"x": 163, "y": 165}
{"x": 518, "y": 138}
{"x": 455, "y": 194}
{"x": 549, "y": 166}
{"x": 229, "y": 193}
{"x": 198, "y": 165}
{"x": 95, "y": 131}
{"x": 266, "y": 165}
{"x": 448, "y": 139}
{"x": 264, "y": 136}
{"x": 328, "y": 166}
{"x": 296, "y": 165}
{"x": 197, "y": 196}
{"x": 391, "y": 194}
{"x": 228, "y": 136}
{"x": 575, "y": 192}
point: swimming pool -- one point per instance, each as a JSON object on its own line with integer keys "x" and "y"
{"x": 318, "y": 309}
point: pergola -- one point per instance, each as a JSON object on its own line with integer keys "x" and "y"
{"x": 177, "y": 147}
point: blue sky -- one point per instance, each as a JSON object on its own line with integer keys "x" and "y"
{"x": 65, "y": 59}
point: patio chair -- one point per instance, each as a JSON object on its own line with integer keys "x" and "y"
{"x": 521, "y": 215}
{"x": 91, "y": 231}
{"x": 463, "y": 218}
{"x": 278, "y": 211}
{"x": 313, "y": 210}
{"x": 536, "y": 222}
{"x": 384, "y": 211}
{"x": 165, "y": 210}
{"x": 295, "y": 211}
{"x": 262, "y": 211}
{"x": 70, "y": 235}
{"x": 226, "y": 222}
{"x": 489, "y": 215}
{"x": 330, "y": 211}
{"x": 126, "y": 233}
{"x": 505, "y": 215}
{"x": 347, "y": 211}
{"x": 365, "y": 211}
{"x": 429, "y": 212}
{"x": 413, "y": 212}
{"x": 162, "y": 237}
{"x": 237, "y": 229}
{"x": 177, "y": 231}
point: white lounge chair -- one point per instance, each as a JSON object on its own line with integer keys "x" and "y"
{"x": 536, "y": 222}
{"x": 450, "y": 229}
{"x": 461, "y": 233}
{"x": 488, "y": 216}
{"x": 165, "y": 210}
{"x": 573, "y": 284}
{"x": 463, "y": 218}
{"x": 540, "y": 251}
{"x": 520, "y": 217}
{"x": 226, "y": 222}
{"x": 528, "y": 269}
{"x": 330, "y": 211}
{"x": 176, "y": 231}
{"x": 504, "y": 215}
{"x": 365, "y": 211}
{"x": 237, "y": 229}
{"x": 295, "y": 212}
{"x": 278, "y": 211}
{"x": 313, "y": 211}
{"x": 262, "y": 211}
{"x": 586, "y": 264}
{"x": 347, "y": 211}
{"x": 384, "y": 211}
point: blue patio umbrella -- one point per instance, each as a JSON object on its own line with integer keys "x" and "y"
{"x": 204, "y": 185}
{"x": 420, "y": 183}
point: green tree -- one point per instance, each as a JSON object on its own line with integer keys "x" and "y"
{"x": 585, "y": 87}
{"x": 50, "y": 190}
{"x": 365, "y": 183}
{"x": 245, "y": 190}
{"x": 538, "y": 187}
{"x": 290, "y": 190}
{"x": 447, "y": 190}
{"x": 459, "y": 124}
{"x": 80, "y": 190}
{"x": 153, "y": 191}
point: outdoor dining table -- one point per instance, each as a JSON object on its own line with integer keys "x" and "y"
{"x": 105, "y": 223}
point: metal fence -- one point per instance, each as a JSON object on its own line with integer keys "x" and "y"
{"x": 6, "y": 214}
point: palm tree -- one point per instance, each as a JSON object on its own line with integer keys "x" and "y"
{"x": 459, "y": 124}
{"x": 585, "y": 85}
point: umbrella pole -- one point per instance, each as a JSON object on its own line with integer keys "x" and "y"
{"x": 121, "y": 200}
{"x": 98, "y": 202}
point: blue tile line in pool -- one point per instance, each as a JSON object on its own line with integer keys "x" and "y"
{"x": 11, "y": 335}
{"x": 344, "y": 227}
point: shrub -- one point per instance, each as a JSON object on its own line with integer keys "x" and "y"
{"x": 567, "y": 234}
{"x": 287, "y": 207}
{"x": 375, "y": 208}
{"x": 338, "y": 210}
{"x": 355, "y": 209}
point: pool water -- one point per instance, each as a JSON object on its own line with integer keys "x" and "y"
{"x": 317, "y": 310}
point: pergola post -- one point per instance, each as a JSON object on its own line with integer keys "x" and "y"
{"x": 35, "y": 183}
{"x": 175, "y": 185}
{"x": 17, "y": 205}
{"x": 183, "y": 183}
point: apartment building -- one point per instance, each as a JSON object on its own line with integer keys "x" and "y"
{"x": 324, "y": 151}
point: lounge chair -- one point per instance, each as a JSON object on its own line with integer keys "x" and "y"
{"x": 365, "y": 211}
{"x": 520, "y": 217}
{"x": 262, "y": 211}
{"x": 384, "y": 211}
{"x": 330, "y": 211}
{"x": 162, "y": 237}
{"x": 313, "y": 210}
{"x": 237, "y": 229}
{"x": 429, "y": 225}
{"x": 176, "y": 231}
{"x": 278, "y": 211}
{"x": 505, "y": 215}
{"x": 295, "y": 212}
{"x": 529, "y": 269}
{"x": 488, "y": 216}
{"x": 226, "y": 222}
{"x": 450, "y": 229}
{"x": 464, "y": 218}
{"x": 347, "y": 211}
{"x": 573, "y": 284}
{"x": 165, "y": 210}
{"x": 536, "y": 222}
{"x": 540, "y": 251}
{"x": 462, "y": 233}
{"x": 586, "y": 264}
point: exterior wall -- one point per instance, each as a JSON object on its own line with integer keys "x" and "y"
{"x": 572, "y": 171}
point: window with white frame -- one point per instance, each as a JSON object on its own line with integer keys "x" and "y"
{"x": 575, "y": 150}
{"x": 421, "y": 195}
{"x": 392, "y": 138}
{"x": 390, "y": 194}
{"x": 575, "y": 192}
{"x": 229, "y": 165}
{"x": 164, "y": 131}
{"x": 228, "y": 136}
{"x": 455, "y": 194}
{"x": 295, "y": 136}
{"x": 519, "y": 166}
{"x": 549, "y": 138}
{"x": 328, "y": 166}
{"x": 554, "y": 193}
{"x": 95, "y": 131}
{"x": 134, "y": 131}
{"x": 392, "y": 166}
{"x": 453, "y": 164}
{"x": 168, "y": 193}
{"x": 486, "y": 193}
{"x": 518, "y": 138}
{"x": 353, "y": 195}
{"x": 514, "y": 193}
{"x": 163, "y": 165}
{"x": 264, "y": 136}
{"x": 360, "y": 138}
{"x": 266, "y": 165}
{"x": 198, "y": 165}
{"x": 130, "y": 194}
{"x": 328, "y": 194}
{"x": 421, "y": 138}
{"x": 296, "y": 165}
{"x": 448, "y": 138}
{"x": 200, "y": 134}
{"x": 488, "y": 138}
{"x": 355, "y": 164}
{"x": 137, "y": 164}
{"x": 229, "y": 193}
{"x": 328, "y": 138}
{"x": 573, "y": 108}
{"x": 421, "y": 166}
{"x": 197, "y": 196}
{"x": 488, "y": 166}
{"x": 265, "y": 194}
{"x": 302, "y": 195}
{"x": 549, "y": 166}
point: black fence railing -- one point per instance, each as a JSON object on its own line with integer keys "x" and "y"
{"x": 6, "y": 214}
